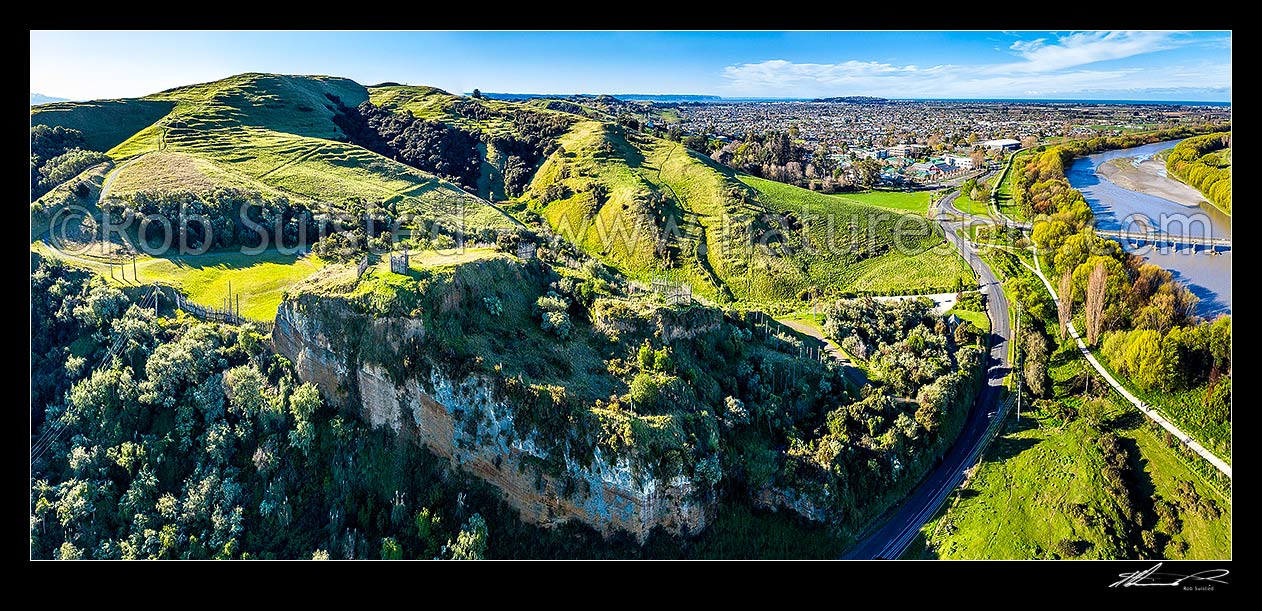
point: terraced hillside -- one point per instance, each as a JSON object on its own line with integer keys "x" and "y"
{"x": 650, "y": 206}
{"x": 269, "y": 133}
{"x": 645, "y": 205}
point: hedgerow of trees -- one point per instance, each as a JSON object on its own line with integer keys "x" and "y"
{"x": 1198, "y": 162}
{"x": 432, "y": 146}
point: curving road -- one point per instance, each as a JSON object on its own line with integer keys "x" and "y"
{"x": 904, "y": 522}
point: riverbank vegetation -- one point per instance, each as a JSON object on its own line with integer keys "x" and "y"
{"x": 1135, "y": 312}
{"x": 1082, "y": 474}
{"x": 1204, "y": 162}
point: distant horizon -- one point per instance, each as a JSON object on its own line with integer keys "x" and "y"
{"x": 630, "y": 96}
{"x": 1092, "y": 65}
{"x": 719, "y": 98}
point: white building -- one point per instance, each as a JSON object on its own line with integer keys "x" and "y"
{"x": 958, "y": 161}
{"x": 1007, "y": 144}
{"x": 907, "y": 150}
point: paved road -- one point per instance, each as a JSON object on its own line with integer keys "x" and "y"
{"x": 1143, "y": 407}
{"x": 857, "y": 376}
{"x": 905, "y": 521}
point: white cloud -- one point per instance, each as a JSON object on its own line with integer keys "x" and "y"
{"x": 1082, "y": 48}
{"x": 1046, "y": 66}
{"x": 780, "y": 73}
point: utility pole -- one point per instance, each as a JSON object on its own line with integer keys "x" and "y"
{"x": 814, "y": 295}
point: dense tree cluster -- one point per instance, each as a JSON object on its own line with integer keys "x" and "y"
{"x": 228, "y": 217}
{"x": 533, "y": 137}
{"x": 1176, "y": 359}
{"x": 1126, "y": 292}
{"x": 1143, "y": 320}
{"x": 776, "y": 155}
{"x": 190, "y": 440}
{"x": 432, "y": 146}
{"x": 1041, "y": 188}
{"x": 1200, "y": 162}
{"x": 878, "y": 441}
{"x": 223, "y": 217}
{"x": 57, "y": 155}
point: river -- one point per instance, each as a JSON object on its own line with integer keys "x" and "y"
{"x": 1207, "y": 276}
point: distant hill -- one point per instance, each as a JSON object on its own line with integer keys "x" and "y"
{"x": 853, "y": 99}
{"x": 39, "y": 98}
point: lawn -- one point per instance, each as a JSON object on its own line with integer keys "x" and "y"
{"x": 1184, "y": 409}
{"x": 260, "y": 280}
{"x": 1003, "y": 194}
{"x": 866, "y": 248}
{"x": 910, "y": 201}
{"x": 965, "y": 204}
{"x": 978, "y": 319}
{"x": 1041, "y": 482}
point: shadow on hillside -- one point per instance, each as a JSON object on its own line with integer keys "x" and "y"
{"x": 919, "y": 549}
{"x": 1139, "y": 467}
{"x": 233, "y": 258}
{"x": 1006, "y": 448}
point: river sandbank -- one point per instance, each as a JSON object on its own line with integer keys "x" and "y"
{"x": 1149, "y": 177}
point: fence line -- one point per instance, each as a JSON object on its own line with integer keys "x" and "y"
{"x": 226, "y": 315}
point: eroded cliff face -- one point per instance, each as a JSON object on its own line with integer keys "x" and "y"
{"x": 468, "y": 422}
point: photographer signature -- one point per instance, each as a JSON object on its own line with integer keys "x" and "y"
{"x": 1151, "y": 577}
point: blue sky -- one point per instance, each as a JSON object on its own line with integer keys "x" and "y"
{"x": 1096, "y": 65}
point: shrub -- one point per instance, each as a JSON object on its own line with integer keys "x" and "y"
{"x": 1068, "y": 549}
{"x": 493, "y": 305}
{"x": 645, "y": 356}
{"x": 552, "y": 302}
{"x": 644, "y": 389}
{"x": 662, "y": 361}
{"x": 558, "y": 323}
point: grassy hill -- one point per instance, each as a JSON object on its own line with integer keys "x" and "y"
{"x": 104, "y": 123}
{"x": 256, "y": 132}
{"x": 650, "y": 206}
{"x": 270, "y": 133}
{"x": 1042, "y": 483}
{"x": 642, "y": 204}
